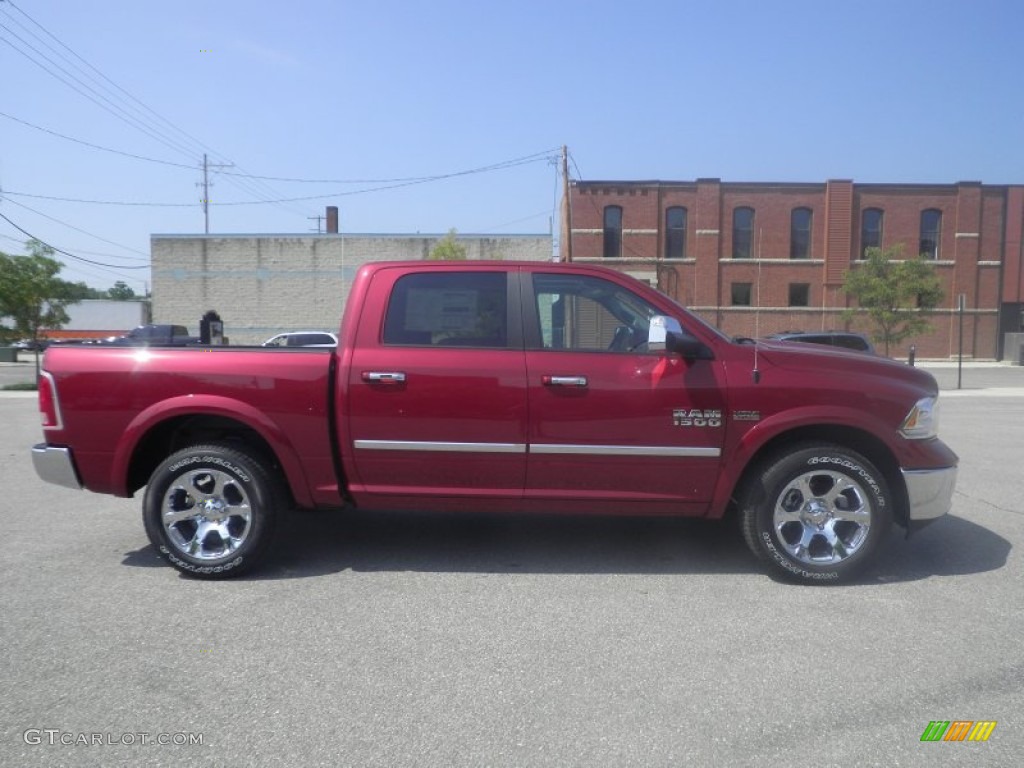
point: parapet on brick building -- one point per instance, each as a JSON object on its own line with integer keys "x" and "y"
{"x": 756, "y": 258}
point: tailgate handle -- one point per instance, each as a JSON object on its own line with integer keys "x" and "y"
{"x": 564, "y": 381}
{"x": 384, "y": 377}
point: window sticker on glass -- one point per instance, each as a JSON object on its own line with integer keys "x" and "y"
{"x": 434, "y": 310}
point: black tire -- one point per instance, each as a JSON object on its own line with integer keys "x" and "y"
{"x": 816, "y": 514}
{"x": 235, "y": 501}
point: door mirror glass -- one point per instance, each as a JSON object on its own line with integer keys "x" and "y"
{"x": 658, "y": 333}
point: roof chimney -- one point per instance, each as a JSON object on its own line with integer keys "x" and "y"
{"x": 332, "y": 219}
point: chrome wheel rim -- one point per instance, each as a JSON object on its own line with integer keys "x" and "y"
{"x": 206, "y": 514}
{"x": 822, "y": 517}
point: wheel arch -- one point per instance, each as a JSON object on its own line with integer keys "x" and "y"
{"x": 148, "y": 441}
{"x": 177, "y": 432}
{"x": 863, "y": 442}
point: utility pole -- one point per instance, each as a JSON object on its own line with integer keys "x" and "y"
{"x": 319, "y": 223}
{"x": 206, "y": 188}
{"x": 566, "y": 238}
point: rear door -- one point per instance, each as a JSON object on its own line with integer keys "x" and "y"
{"x": 436, "y": 394}
{"x": 611, "y": 420}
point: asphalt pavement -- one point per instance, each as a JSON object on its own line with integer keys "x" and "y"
{"x": 476, "y": 640}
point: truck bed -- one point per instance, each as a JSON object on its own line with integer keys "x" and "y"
{"x": 107, "y": 392}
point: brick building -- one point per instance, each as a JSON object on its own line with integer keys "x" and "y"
{"x": 756, "y": 258}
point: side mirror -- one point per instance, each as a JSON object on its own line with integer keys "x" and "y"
{"x": 688, "y": 347}
{"x": 666, "y": 333}
{"x": 661, "y": 327}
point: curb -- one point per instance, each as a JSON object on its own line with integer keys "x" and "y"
{"x": 990, "y": 392}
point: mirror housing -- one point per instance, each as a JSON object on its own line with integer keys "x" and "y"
{"x": 688, "y": 347}
{"x": 665, "y": 333}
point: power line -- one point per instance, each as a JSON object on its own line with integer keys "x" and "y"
{"x": 206, "y": 190}
{"x": 8, "y": 192}
{"x": 80, "y": 250}
{"x": 578, "y": 174}
{"x": 250, "y": 184}
{"x": 98, "y": 72}
{"x": 119, "y": 112}
{"x": 96, "y": 146}
{"x": 291, "y": 179}
{"x": 341, "y": 193}
{"x": 536, "y": 157}
{"x": 71, "y": 255}
{"x": 77, "y": 229}
{"x": 532, "y": 216}
{"x": 252, "y": 188}
{"x": 632, "y": 251}
{"x": 90, "y": 272}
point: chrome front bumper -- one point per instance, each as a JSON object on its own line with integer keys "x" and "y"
{"x": 930, "y": 492}
{"x": 55, "y": 465}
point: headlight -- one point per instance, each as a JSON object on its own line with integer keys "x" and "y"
{"x": 923, "y": 420}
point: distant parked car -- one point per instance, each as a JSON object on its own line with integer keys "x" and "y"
{"x": 153, "y": 335}
{"x": 857, "y": 342}
{"x": 303, "y": 339}
{"x": 31, "y": 345}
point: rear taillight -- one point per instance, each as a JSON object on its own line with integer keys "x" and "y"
{"x": 49, "y": 410}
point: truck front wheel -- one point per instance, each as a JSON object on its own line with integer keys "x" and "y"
{"x": 816, "y": 514}
{"x": 209, "y": 510}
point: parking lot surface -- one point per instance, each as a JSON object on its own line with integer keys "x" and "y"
{"x": 430, "y": 640}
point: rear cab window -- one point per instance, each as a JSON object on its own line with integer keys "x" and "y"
{"x": 448, "y": 309}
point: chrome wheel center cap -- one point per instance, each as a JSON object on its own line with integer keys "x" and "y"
{"x": 816, "y": 513}
{"x": 213, "y": 509}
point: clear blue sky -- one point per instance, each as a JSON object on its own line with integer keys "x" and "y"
{"x": 743, "y": 90}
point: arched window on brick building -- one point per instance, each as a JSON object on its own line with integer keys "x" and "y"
{"x": 742, "y": 233}
{"x": 931, "y": 226}
{"x": 612, "y": 231}
{"x": 870, "y": 229}
{"x": 800, "y": 233}
{"x": 675, "y": 233}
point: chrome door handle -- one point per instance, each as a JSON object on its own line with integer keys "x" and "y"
{"x": 384, "y": 377}
{"x": 564, "y": 381}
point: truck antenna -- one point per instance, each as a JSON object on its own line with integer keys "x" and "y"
{"x": 756, "y": 373}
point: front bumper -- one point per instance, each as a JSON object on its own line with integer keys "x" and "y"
{"x": 55, "y": 465}
{"x": 929, "y": 493}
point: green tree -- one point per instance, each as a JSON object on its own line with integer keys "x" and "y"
{"x": 896, "y": 293}
{"x": 448, "y": 248}
{"x": 80, "y": 291}
{"x": 32, "y": 297}
{"x": 120, "y": 291}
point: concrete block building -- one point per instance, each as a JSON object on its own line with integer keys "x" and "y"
{"x": 755, "y": 258}
{"x": 262, "y": 285}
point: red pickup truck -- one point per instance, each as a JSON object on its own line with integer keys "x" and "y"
{"x": 504, "y": 386}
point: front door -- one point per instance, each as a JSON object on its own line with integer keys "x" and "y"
{"x": 610, "y": 420}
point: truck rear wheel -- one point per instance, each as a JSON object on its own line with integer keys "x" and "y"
{"x": 816, "y": 514}
{"x": 210, "y": 509}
